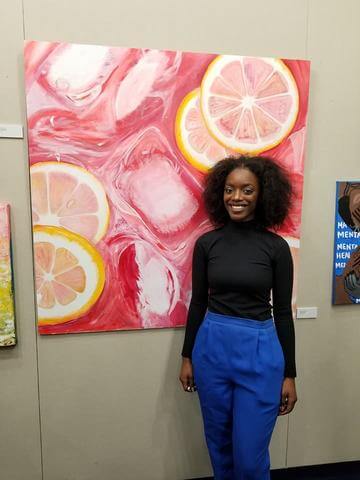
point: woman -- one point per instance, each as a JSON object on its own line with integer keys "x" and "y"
{"x": 242, "y": 358}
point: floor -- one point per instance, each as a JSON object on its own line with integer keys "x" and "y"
{"x": 308, "y": 476}
{"x": 335, "y": 471}
{"x": 305, "y": 476}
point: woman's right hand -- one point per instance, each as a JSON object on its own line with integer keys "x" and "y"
{"x": 186, "y": 376}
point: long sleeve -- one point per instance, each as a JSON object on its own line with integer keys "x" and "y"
{"x": 199, "y": 298}
{"x": 282, "y": 294}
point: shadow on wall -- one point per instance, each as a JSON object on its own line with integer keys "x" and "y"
{"x": 178, "y": 422}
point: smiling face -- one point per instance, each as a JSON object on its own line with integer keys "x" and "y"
{"x": 241, "y": 192}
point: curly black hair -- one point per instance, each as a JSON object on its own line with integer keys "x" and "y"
{"x": 275, "y": 195}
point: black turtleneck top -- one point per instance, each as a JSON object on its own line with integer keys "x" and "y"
{"x": 235, "y": 269}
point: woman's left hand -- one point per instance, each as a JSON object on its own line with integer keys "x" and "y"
{"x": 288, "y": 396}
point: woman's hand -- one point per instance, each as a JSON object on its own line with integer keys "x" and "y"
{"x": 288, "y": 396}
{"x": 186, "y": 375}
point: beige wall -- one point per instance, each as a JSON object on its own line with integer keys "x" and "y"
{"x": 84, "y": 407}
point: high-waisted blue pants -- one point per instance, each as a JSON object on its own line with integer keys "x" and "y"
{"x": 238, "y": 369}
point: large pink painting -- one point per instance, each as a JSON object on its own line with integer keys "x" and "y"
{"x": 119, "y": 140}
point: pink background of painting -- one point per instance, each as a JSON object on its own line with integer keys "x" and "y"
{"x": 88, "y": 131}
{"x": 5, "y": 232}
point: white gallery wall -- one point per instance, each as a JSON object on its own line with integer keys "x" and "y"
{"x": 108, "y": 405}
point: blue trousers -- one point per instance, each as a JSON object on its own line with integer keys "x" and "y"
{"x": 238, "y": 369}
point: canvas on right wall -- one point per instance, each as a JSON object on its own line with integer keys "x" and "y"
{"x": 346, "y": 269}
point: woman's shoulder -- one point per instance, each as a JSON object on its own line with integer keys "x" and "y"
{"x": 208, "y": 237}
{"x": 275, "y": 236}
{"x": 277, "y": 241}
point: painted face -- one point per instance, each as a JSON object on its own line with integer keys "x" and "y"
{"x": 354, "y": 205}
{"x": 241, "y": 192}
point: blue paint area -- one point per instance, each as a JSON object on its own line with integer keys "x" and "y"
{"x": 346, "y": 241}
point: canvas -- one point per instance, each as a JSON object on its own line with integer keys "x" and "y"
{"x": 346, "y": 268}
{"x": 119, "y": 142}
{"x": 7, "y": 311}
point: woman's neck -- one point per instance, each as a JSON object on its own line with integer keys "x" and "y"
{"x": 242, "y": 225}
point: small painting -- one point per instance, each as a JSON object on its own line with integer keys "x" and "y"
{"x": 346, "y": 276}
{"x": 7, "y": 310}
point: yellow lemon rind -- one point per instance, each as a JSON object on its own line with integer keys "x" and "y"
{"x": 178, "y": 131}
{"x": 98, "y": 261}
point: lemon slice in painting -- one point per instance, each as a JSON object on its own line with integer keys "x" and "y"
{"x": 192, "y": 137}
{"x": 65, "y": 195}
{"x": 249, "y": 104}
{"x": 69, "y": 272}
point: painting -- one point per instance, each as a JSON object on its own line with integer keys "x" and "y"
{"x": 119, "y": 142}
{"x": 7, "y": 310}
{"x": 346, "y": 263}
